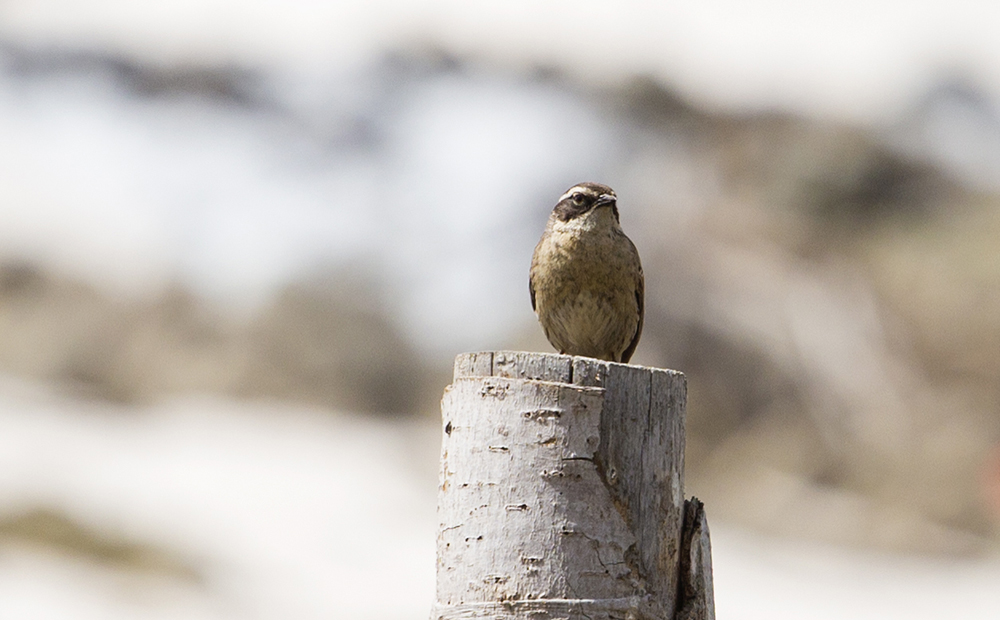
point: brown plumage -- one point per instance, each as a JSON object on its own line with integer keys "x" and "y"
{"x": 586, "y": 280}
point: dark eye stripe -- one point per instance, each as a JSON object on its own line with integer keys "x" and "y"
{"x": 571, "y": 206}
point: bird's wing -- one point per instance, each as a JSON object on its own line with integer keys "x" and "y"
{"x": 640, "y": 294}
{"x": 531, "y": 287}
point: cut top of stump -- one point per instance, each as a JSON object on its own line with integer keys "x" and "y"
{"x": 552, "y": 367}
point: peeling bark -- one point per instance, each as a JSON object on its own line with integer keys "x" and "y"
{"x": 697, "y": 593}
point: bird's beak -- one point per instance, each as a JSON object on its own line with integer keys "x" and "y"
{"x": 605, "y": 200}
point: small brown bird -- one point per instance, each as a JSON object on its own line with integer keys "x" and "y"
{"x": 586, "y": 280}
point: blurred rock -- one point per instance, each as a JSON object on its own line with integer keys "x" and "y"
{"x": 308, "y": 345}
{"x": 331, "y": 345}
{"x": 57, "y": 531}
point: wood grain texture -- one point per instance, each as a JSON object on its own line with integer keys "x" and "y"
{"x": 561, "y": 490}
{"x": 474, "y": 364}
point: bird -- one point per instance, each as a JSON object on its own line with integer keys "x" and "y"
{"x": 586, "y": 281}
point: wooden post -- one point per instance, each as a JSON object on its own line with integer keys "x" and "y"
{"x": 562, "y": 493}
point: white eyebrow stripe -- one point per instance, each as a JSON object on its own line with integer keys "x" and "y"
{"x": 571, "y": 191}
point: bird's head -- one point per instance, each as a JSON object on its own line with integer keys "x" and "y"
{"x": 585, "y": 200}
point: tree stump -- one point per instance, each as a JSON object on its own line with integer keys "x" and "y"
{"x": 561, "y": 493}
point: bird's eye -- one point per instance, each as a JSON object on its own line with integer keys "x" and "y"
{"x": 577, "y": 197}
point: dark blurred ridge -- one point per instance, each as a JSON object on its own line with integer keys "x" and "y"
{"x": 229, "y": 84}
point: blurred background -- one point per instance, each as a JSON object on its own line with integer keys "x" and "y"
{"x": 242, "y": 242}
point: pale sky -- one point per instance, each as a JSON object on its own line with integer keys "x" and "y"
{"x": 849, "y": 59}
